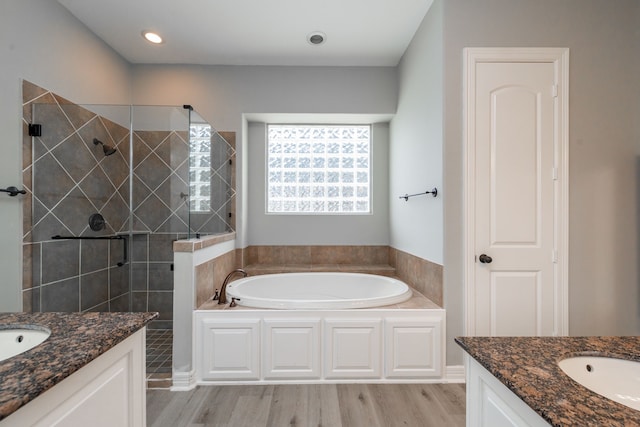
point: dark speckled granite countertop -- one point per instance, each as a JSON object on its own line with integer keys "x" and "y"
{"x": 76, "y": 339}
{"x": 528, "y": 366}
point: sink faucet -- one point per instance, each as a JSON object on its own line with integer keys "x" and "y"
{"x": 222, "y": 299}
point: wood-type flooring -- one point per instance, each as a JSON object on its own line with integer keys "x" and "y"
{"x": 310, "y": 405}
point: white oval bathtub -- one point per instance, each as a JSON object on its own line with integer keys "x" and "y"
{"x": 318, "y": 291}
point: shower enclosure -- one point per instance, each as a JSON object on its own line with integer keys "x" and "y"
{"x": 109, "y": 188}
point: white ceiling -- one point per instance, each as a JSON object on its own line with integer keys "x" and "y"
{"x": 255, "y": 32}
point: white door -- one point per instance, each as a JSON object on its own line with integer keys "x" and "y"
{"x": 513, "y": 121}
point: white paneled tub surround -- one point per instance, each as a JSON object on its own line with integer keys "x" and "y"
{"x": 378, "y": 345}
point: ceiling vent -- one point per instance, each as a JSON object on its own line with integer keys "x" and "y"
{"x": 316, "y": 38}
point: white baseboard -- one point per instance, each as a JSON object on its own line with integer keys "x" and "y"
{"x": 183, "y": 381}
{"x": 454, "y": 374}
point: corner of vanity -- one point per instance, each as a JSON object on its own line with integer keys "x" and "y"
{"x": 516, "y": 381}
{"x": 90, "y": 371}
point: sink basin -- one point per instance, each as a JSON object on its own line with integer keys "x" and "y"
{"x": 615, "y": 379}
{"x": 15, "y": 341}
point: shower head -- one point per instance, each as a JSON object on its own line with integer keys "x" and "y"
{"x": 108, "y": 150}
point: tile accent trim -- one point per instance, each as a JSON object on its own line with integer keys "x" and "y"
{"x": 194, "y": 245}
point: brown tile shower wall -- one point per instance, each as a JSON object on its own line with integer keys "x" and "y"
{"x": 68, "y": 178}
{"x": 152, "y": 276}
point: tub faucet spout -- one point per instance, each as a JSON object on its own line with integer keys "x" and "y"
{"x": 223, "y": 290}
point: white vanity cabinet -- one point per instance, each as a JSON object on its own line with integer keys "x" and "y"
{"x": 316, "y": 345}
{"x": 490, "y": 403}
{"x": 109, "y": 391}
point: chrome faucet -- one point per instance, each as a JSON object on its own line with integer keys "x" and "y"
{"x": 222, "y": 299}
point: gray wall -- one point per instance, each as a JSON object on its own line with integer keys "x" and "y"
{"x": 416, "y": 144}
{"x": 63, "y": 56}
{"x": 604, "y": 293}
{"x": 224, "y": 94}
{"x": 43, "y": 43}
{"x": 416, "y": 157}
{"x": 370, "y": 229}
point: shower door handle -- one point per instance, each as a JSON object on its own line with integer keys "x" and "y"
{"x": 13, "y": 191}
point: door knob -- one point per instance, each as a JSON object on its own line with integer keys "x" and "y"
{"x": 485, "y": 259}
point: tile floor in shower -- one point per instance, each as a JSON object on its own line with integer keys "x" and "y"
{"x": 159, "y": 357}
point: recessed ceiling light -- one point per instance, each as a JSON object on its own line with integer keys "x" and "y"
{"x": 152, "y": 37}
{"x": 316, "y": 38}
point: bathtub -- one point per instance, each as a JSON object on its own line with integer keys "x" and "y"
{"x": 318, "y": 291}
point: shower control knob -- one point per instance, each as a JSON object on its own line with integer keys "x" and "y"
{"x": 485, "y": 259}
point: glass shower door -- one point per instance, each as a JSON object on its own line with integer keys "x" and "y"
{"x": 111, "y": 187}
{"x": 159, "y": 205}
{"x": 211, "y": 179}
{"x": 76, "y": 217}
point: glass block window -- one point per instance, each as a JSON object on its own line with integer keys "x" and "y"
{"x": 319, "y": 169}
{"x": 200, "y": 168}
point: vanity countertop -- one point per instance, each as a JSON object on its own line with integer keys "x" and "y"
{"x": 76, "y": 339}
{"x": 528, "y": 366}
